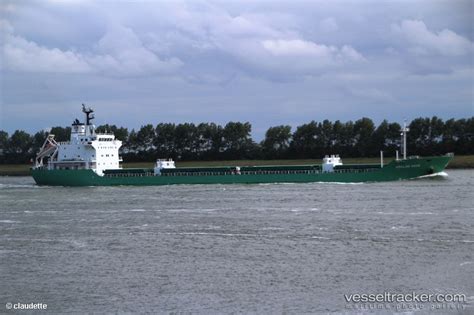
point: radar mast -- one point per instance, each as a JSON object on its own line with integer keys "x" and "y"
{"x": 89, "y": 114}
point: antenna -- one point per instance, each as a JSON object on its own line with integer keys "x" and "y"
{"x": 88, "y": 111}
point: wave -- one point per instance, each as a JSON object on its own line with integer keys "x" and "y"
{"x": 341, "y": 183}
{"x": 216, "y": 234}
{"x": 400, "y": 228}
{"x": 6, "y": 186}
{"x": 439, "y": 174}
{"x": 320, "y": 237}
{"x": 304, "y": 210}
{"x": 191, "y": 210}
{"x": 405, "y": 213}
{"x": 444, "y": 241}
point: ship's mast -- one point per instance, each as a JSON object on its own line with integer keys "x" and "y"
{"x": 88, "y": 111}
{"x": 404, "y": 139}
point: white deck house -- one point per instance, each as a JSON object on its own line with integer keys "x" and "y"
{"x": 86, "y": 149}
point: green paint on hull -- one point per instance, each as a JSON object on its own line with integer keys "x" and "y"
{"x": 395, "y": 170}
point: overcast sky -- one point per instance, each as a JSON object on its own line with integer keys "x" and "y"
{"x": 269, "y": 63}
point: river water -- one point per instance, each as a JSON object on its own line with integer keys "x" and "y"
{"x": 276, "y": 248}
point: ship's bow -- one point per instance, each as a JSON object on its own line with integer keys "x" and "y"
{"x": 439, "y": 163}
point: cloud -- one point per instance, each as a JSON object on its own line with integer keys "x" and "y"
{"x": 422, "y": 41}
{"x": 195, "y": 40}
{"x": 121, "y": 52}
{"x": 328, "y": 25}
{"x": 118, "y": 53}
{"x": 23, "y": 55}
{"x": 372, "y": 94}
{"x": 297, "y": 47}
{"x": 309, "y": 54}
{"x": 269, "y": 45}
{"x": 269, "y": 62}
{"x": 348, "y": 52}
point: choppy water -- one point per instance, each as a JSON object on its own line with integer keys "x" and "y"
{"x": 278, "y": 248}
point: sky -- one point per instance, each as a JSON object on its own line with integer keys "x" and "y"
{"x": 266, "y": 62}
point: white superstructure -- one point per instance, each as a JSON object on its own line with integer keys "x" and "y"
{"x": 330, "y": 161}
{"x": 86, "y": 149}
{"x": 163, "y": 164}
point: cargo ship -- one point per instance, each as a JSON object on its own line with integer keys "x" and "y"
{"x": 90, "y": 158}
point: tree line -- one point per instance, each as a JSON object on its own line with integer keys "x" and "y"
{"x": 313, "y": 140}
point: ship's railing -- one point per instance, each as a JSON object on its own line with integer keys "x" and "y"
{"x": 356, "y": 170}
{"x": 283, "y": 172}
{"x": 259, "y": 172}
{"x": 146, "y": 174}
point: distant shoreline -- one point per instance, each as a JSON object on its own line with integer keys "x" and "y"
{"x": 459, "y": 162}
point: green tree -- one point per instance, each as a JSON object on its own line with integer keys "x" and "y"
{"x": 37, "y": 141}
{"x": 386, "y": 138}
{"x": 276, "y": 142}
{"x": 304, "y": 140}
{"x": 465, "y": 143}
{"x": 3, "y": 145}
{"x": 130, "y": 147}
{"x": 146, "y": 136}
{"x": 120, "y": 133}
{"x": 145, "y": 143}
{"x": 363, "y": 131}
{"x": 419, "y": 138}
{"x": 327, "y": 136}
{"x": 19, "y": 146}
{"x": 237, "y": 143}
{"x": 165, "y": 140}
{"x": 210, "y": 138}
{"x": 186, "y": 141}
{"x": 336, "y": 140}
{"x": 61, "y": 134}
{"x": 344, "y": 138}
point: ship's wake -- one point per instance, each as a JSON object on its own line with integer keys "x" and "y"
{"x": 435, "y": 175}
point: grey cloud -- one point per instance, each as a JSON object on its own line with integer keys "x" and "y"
{"x": 252, "y": 39}
{"x": 328, "y": 25}
{"x": 267, "y": 62}
{"x": 118, "y": 53}
{"x": 23, "y": 55}
{"x": 423, "y": 41}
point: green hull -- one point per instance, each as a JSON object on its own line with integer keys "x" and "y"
{"x": 395, "y": 170}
